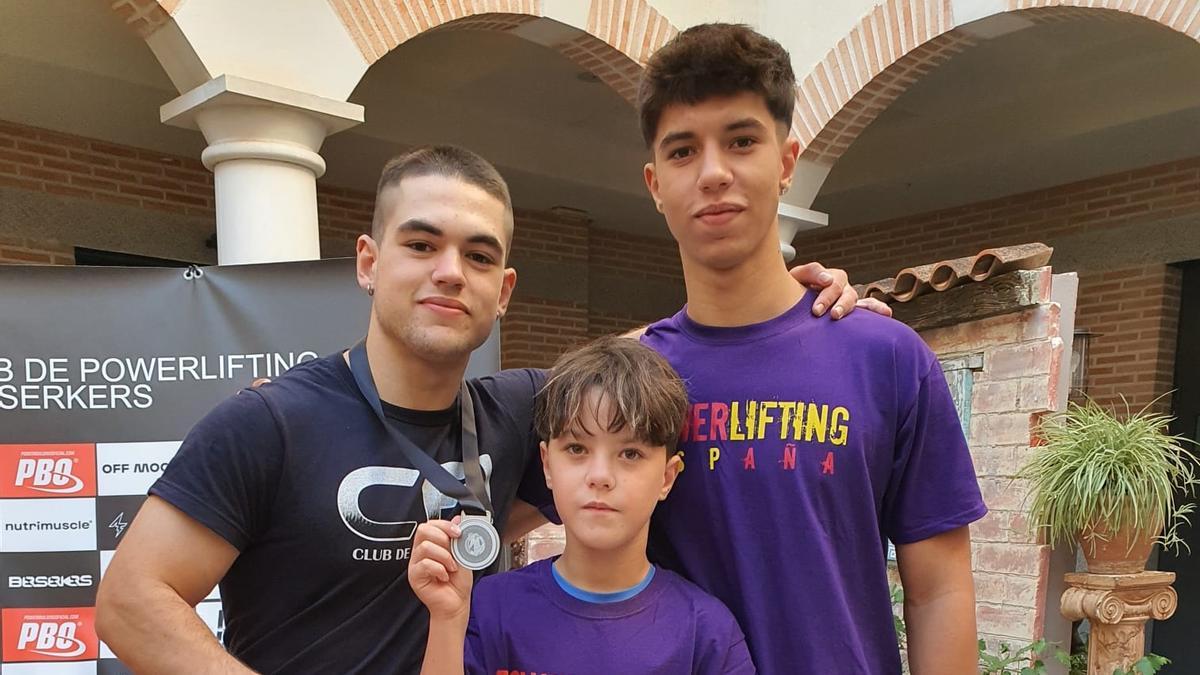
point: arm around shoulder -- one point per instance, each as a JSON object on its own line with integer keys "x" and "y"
{"x": 636, "y": 333}
{"x": 145, "y": 607}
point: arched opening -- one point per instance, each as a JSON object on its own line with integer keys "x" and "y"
{"x": 559, "y": 132}
{"x": 1068, "y": 126}
{"x": 548, "y": 104}
{"x": 1049, "y": 103}
{"x": 84, "y": 158}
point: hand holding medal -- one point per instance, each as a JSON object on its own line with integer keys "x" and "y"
{"x": 441, "y": 585}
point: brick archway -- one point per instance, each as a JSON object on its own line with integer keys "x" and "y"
{"x": 901, "y": 40}
{"x": 614, "y": 44}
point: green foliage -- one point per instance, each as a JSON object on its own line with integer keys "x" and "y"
{"x": 1095, "y": 470}
{"x": 1026, "y": 660}
{"x": 1076, "y": 663}
{"x": 1012, "y": 661}
{"x": 1147, "y": 665}
{"x": 898, "y": 617}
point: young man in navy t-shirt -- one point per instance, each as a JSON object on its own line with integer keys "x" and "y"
{"x": 610, "y": 415}
{"x": 808, "y": 443}
{"x": 294, "y": 497}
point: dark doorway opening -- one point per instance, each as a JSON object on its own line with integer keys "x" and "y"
{"x": 1175, "y": 638}
{"x": 97, "y": 258}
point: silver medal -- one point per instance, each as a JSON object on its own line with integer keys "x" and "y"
{"x": 478, "y": 545}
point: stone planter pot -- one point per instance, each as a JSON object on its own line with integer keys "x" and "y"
{"x": 1121, "y": 552}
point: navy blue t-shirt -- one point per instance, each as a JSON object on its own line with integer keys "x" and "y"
{"x": 302, "y": 479}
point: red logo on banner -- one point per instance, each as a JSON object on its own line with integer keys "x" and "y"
{"x": 58, "y": 634}
{"x": 48, "y": 470}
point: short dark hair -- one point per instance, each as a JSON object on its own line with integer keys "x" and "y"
{"x": 643, "y": 392}
{"x": 716, "y": 59}
{"x": 442, "y": 160}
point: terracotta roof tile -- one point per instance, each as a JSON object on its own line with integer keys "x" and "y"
{"x": 913, "y": 282}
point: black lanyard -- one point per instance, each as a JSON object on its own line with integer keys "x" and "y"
{"x": 472, "y": 496}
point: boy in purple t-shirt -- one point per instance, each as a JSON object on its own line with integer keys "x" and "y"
{"x": 611, "y": 413}
{"x": 808, "y": 444}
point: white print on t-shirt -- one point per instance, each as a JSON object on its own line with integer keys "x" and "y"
{"x": 433, "y": 500}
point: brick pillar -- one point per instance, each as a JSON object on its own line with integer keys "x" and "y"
{"x": 636, "y": 280}
{"x": 536, "y": 331}
{"x": 548, "y": 313}
{"x": 574, "y": 282}
{"x": 1021, "y": 359}
{"x": 1135, "y": 312}
{"x": 19, "y": 251}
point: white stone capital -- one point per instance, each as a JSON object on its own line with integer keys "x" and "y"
{"x": 244, "y": 119}
{"x": 792, "y": 219}
{"x": 263, "y": 143}
{"x": 227, "y": 90}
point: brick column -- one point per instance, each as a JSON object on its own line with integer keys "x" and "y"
{"x": 1021, "y": 358}
{"x": 548, "y": 313}
{"x": 574, "y": 282}
{"x": 536, "y": 331}
{"x": 1135, "y": 312}
{"x": 33, "y": 252}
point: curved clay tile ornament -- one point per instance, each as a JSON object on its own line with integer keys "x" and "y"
{"x": 880, "y": 290}
{"x": 912, "y": 282}
{"x": 950, "y": 273}
{"x": 995, "y": 261}
{"x": 915, "y": 281}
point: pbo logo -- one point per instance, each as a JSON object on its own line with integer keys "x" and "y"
{"x": 48, "y": 475}
{"x": 51, "y": 638}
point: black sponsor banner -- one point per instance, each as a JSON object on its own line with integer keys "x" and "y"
{"x": 113, "y": 516}
{"x": 102, "y": 373}
{"x": 133, "y": 354}
{"x": 60, "y": 579}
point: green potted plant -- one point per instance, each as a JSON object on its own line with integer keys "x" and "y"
{"x": 1116, "y": 485}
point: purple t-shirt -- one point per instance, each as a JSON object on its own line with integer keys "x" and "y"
{"x": 808, "y": 444}
{"x": 523, "y": 621}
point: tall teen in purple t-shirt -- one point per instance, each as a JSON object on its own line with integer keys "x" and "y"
{"x": 808, "y": 443}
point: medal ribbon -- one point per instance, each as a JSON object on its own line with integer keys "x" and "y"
{"x": 473, "y": 496}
